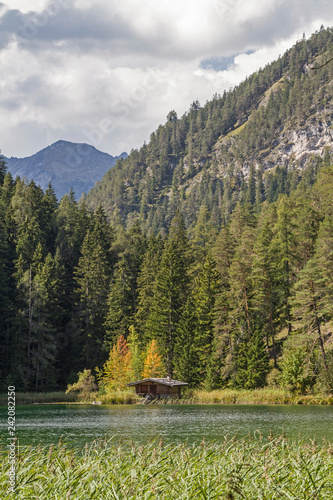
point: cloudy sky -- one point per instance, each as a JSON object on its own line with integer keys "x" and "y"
{"x": 107, "y": 72}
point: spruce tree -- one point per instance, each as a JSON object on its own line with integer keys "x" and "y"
{"x": 223, "y": 252}
{"x": 170, "y": 291}
{"x": 186, "y": 367}
{"x": 120, "y": 311}
{"x": 6, "y": 294}
{"x": 92, "y": 288}
{"x": 3, "y": 169}
{"x": 146, "y": 286}
{"x": 251, "y": 362}
{"x": 284, "y": 245}
{"x": 324, "y": 261}
{"x": 308, "y": 304}
{"x": 265, "y": 295}
{"x": 207, "y": 286}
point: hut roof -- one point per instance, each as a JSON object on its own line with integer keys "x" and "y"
{"x": 164, "y": 381}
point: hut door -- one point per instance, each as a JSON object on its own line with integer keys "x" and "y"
{"x": 153, "y": 389}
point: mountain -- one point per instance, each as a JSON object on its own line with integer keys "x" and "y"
{"x": 64, "y": 164}
{"x": 267, "y": 131}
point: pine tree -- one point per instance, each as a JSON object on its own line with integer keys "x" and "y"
{"x": 223, "y": 252}
{"x": 203, "y": 234}
{"x": 251, "y": 362}
{"x": 48, "y": 219}
{"x": 120, "y": 311}
{"x": 186, "y": 360}
{"x": 307, "y": 304}
{"x": 72, "y": 225}
{"x": 251, "y": 189}
{"x": 284, "y": 245}
{"x": 324, "y": 261}
{"x": 3, "y": 169}
{"x": 92, "y": 288}
{"x": 46, "y": 296}
{"x": 241, "y": 288}
{"x": 170, "y": 291}
{"x": 146, "y": 286}
{"x": 207, "y": 286}
{"x": 266, "y": 298}
{"x": 6, "y": 294}
{"x": 260, "y": 189}
{"x": 6, "y": 193}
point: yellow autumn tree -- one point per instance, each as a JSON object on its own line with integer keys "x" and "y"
{"x": 153, "y": 365}
{"x": 117, "y": 371}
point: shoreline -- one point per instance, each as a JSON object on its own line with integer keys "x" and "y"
{"x": 240, "y": 398}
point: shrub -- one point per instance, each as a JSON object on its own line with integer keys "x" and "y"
{"x": 85, "y": 385}
{"x": 293, "y": 375}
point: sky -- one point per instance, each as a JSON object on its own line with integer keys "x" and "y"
{"x": 107, "y": 72}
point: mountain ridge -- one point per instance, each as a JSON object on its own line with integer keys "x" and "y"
{"x": 279, "y": 116}
{"x": 66, "y": 165}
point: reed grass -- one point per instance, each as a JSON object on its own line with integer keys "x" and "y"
{"x": 266, "y": 395}
{"x": 119, "y": 397}
{"x": 251, "y": 468}
{"x": 40, "y": 397}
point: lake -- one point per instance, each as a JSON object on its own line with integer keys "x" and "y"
{"x": 178, "y": 423}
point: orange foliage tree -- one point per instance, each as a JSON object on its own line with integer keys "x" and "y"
{"x": 153, "y": 365}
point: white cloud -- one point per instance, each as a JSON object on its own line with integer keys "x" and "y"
{"x": 24, "y": 6}
{"x": 108, "y": 72}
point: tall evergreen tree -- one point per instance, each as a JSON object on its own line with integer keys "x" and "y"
{"x": 206, "y": 289}
{"x": 146, "y": 286}
{"x": 3, "y": 169}
{"x": 170, "y": 291}
{"x": 120, "y": 312}
{"x": 223, "y": 251}
{"x": 307, "y": 304}
{"x": 266, "y": 297}
{"x": 285, "y": 252}
{"x": 251, "y": 362}
{"x": 186, "y": 349}
{"x": 92, "y": 286}
{"x": 6, "y": 294}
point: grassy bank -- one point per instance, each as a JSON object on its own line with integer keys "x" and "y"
{"x": 235, "y": 469}
{"x": 39, "y": 397}
{"x": 266, "y": 395}
{"x": 116, "y": 397}
{"x": 191, "y": 396}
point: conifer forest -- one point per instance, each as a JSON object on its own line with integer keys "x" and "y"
{"x": 197, "y": 251}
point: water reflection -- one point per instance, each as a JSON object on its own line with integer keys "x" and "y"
{"x": 191, "y": 423}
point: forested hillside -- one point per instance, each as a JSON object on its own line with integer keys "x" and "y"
{"x": 279, "y": 116}
{"x": 204, "y": 254}
{"x": 242, "y": 307}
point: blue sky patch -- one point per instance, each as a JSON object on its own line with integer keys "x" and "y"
{"x": 220, "y": 63}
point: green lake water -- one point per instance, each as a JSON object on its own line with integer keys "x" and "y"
{"x": 184, "y": 423}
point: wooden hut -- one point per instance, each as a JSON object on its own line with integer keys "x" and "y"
{"x": 158, "y": 387}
